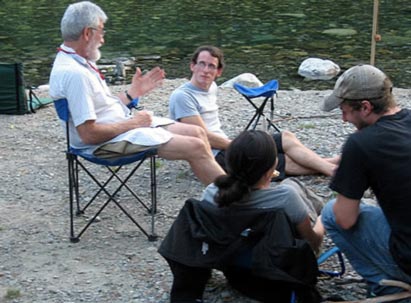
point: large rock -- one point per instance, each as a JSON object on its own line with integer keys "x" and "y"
{"x": 318, "y": 69}
{"x": 246, "y": 79}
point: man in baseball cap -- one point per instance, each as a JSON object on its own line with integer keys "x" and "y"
{"x": 375, "y": 239}
{"x": 358, "y": 82}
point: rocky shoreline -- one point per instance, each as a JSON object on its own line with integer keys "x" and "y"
{"x": 114, "y": 262}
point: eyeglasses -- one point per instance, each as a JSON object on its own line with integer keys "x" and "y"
{"x": 210, "y": 66}
{"x": 101, "y": 30}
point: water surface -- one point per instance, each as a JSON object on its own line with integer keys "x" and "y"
{"x": 267, "y": 38}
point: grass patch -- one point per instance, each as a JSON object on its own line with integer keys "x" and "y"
{"x": 307, "y": 126}
{"x": 182, "y": 174}
{"x": 158, "y": 164}
{"x": 12, "y": 294}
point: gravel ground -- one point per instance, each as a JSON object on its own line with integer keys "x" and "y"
{"x": 114, "y": 262}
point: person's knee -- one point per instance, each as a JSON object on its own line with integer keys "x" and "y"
{"x": 289, "y": 140}
{"x": 196, "y": 149}
{"x": 327, "y": 214}
{"x": 288, "y": 136}
{"x": 189, "y": 130}
{"x": 198, "y": 132}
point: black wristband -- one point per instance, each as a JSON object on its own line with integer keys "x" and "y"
{"x": 128, "y": 96}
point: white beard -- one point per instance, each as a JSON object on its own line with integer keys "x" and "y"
{"x": 95, "y": 56}
{"x": 93, "y": 52}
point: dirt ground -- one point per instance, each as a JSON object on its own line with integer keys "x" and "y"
{"x": 114, "y": 262}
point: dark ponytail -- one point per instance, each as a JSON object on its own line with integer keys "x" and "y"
{"x": 248, "y": 158}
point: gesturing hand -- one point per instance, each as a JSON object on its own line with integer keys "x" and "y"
{"x": 142, "y": 84}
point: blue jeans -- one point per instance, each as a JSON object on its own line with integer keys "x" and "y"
{"x": 366, "y": 246}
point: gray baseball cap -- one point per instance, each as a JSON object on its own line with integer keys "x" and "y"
{"x": 358, "y": 82}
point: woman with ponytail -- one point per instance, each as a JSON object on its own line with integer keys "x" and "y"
{"x": 249, "y": 228}
{"x": 251, "y": 160}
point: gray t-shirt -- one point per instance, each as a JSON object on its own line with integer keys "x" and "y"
{"x": 189, "y": 100}
{"x": 278, "y": 196}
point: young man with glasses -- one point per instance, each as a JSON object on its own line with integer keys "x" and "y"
{"x": 195, "y": 103}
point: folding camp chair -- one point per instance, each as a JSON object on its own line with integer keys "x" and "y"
{"x": 269, "y": 92}
{"x": 80, "y": 162}
{"x": 13, "y": 98}
{"x": 36, "y": 102}
{"x": 334, "y": 251}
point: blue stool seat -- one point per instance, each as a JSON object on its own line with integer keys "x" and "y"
{"x": 123, "y": 160}
{"x": 268, "y": 91}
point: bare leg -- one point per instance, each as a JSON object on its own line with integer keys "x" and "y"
{"x": 300, "y": 160}
{"x": 294, "y": 169}
{"x": 190, "y": 130}
{"x": 334, "y": 160}
{"x": 188, "y": 144}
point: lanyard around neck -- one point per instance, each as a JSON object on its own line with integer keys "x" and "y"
{"x": 59, "y": 49}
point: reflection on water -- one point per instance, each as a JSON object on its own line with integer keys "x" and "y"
{"x": 267, "y": 38}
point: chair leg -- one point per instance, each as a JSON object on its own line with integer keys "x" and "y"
{"x": 75, "y": 179}
{"x": 251, "y": 122}
{"x": 259, "y": 113}
{"x": 92, "y": 220}
{"x": 151, "y": 237}
{"x": 153, "y": 210}
{"x": 272, "y": 109}
{"x": 74, "y": 195}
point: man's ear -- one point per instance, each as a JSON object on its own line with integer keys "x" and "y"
{"x": 86, "y": 33}
{"x": 192, "y": 66}
{"x": 366, "y": 107}
{"x": 219, "y": 72}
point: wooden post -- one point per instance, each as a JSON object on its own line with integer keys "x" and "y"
{"x": 374, "y": 31}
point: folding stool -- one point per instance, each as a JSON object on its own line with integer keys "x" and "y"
{"x": 269, "y": 92}
{"x": 76, "y": 165}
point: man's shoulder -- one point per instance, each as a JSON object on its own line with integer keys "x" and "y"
{"x": 183, "y": 96}
{"x": 67, "y": 67}
{"x": 400, "y": 119}
{"x": 182, "y": 88}
{"x": 180, "y": 92}
{"x": 404, "y": 116}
